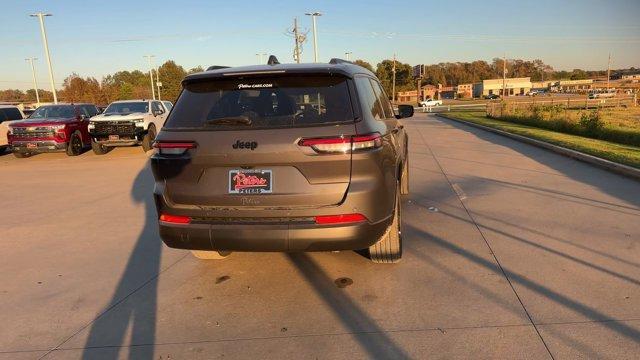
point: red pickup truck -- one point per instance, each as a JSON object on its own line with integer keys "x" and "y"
{"x": 52, "y": 128}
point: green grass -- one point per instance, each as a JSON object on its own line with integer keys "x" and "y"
{"x": 620, "y": 153}
{"x": 620, "y": 126}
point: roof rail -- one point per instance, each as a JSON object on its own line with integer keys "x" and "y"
{"x": 273, "y": 60}
{"x": 217, "y": 67}
{"x": 335, "y": 61}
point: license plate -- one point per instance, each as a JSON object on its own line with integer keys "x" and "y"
{"x": 114, "y": 137}
{"x": 32, "y": 146}
{"x": 250, "y": 181}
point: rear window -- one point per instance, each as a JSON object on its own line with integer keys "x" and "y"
{"x": 53, "y": 111}
{"x": 10, "y": 114}
{"x": 125, "y": 108}
{"x": 251, "y": 103}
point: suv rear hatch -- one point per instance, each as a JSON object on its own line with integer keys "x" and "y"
{"x": 257, "y": 141}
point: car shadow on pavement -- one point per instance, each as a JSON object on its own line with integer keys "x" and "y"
{"x": 521, "y": 280}
{"x": 143, "y": 267}
{"x": 616, "y": 185}
{"x": 367, "y": 333}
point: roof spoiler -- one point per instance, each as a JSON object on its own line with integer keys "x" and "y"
{"x": 336, "y": 61}
{"x": 273, "y": 60}
{"x": 217, "y": 67}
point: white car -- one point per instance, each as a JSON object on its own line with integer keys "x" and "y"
{"x": 431, "y": 103}
{"x": 126, "y": 123}
{"x": 8, "y": 114}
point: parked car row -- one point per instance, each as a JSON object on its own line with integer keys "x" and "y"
{"x": 71, "y": 128}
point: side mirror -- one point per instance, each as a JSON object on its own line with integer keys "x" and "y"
{"x": 157, "y": 112}
{"x": 404, "y": 111}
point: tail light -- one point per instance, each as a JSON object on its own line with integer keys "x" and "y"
{"x": 340, "y": 219}
{"x": 343, "y": 144}
{"x": 175, "y": 219}
{"x": 173, "y": 147}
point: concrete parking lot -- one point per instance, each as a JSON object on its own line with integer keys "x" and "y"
{"x": 510, "y": 252}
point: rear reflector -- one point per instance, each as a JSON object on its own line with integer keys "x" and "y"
{"x": 340, "y": 219}
{"x": 343, "y": 144}
{"x": 175, "y": 219}
{"x": 174, "y": 147}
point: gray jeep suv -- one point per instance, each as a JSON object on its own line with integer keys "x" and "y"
{"x": 282, "y": 157}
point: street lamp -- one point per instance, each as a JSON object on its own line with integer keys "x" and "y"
{"x": 35, "y": 82}
{"x": 348, "y": 55}
{"x": 153, "y": 92}
{"x": 40, "y": 16}
{"x": 259, "y": 57}
{"x": 314, "y": 15}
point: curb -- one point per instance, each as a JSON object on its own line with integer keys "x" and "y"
{"x": 593, "y": 160}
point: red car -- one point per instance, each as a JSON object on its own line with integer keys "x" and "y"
{"x": 52, "y": 128}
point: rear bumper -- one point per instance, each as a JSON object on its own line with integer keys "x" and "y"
{"x": 40, "y": 146}
{"x": 272, "y": 237}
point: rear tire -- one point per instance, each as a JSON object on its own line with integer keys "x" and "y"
{"x": 149, "y": 137}
{"x": 388, "y": 249}
{"x": 210, "y": 255}
{"x": 99, "y": 149}
{"x": 75, "y": 145}
{"x": 21, "y": 155}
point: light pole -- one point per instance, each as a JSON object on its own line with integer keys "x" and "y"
{"x": 40, "y": 16}
{"x": 153, "y": 92}
{"x": 35, "y": 82}
{"x": 158, "y": 83}
{"x": 348, "y": 55}
{"x": 259, "y": 57}
{"x": 314, "y": 15}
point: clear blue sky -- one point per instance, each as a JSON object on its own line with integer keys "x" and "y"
{"x": 98, "y": 37}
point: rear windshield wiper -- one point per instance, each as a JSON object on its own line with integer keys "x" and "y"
{"x": 231, "y": 120}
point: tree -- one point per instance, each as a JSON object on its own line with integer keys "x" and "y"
{"x": 404, "y": 76}
{"x": 171, "y": 76}
{"x": 11, "y": 95}
{"x": 77, "y": 89}
{"x": 578, "y": 74}
{"x": 364, "y": 64}
{"x": 196, "y": 69}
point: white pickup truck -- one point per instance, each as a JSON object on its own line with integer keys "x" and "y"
{"x": 126, "y": 123}
{"x": 430, "y": 103}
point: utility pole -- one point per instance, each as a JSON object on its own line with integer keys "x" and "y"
{"x": 35, "y": 82}
{"x": 393, "y": 95}
{"x": 153, "y": 92}
{"x": 504, "y": 76}
{"x": 608, "y": 71}
{"x": 296, "y": 38}
{"x": 40, "y": 17}
{"x": 348, "y": 55}
{"x": 299, "y": 37}
{"x": 314, "y": 15}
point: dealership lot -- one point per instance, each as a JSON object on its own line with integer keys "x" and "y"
{"x": 510, "y": 252}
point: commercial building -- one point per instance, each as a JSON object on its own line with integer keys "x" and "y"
{"x": 426, "y": 92}
{"x": 464, "y": 91}
{"x": 512, "y": 86}
{"x": 542, "y": 85}
{"x": 573, "y": 86}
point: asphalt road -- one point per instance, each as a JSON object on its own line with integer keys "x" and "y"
{"x": 510, "y": 252}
